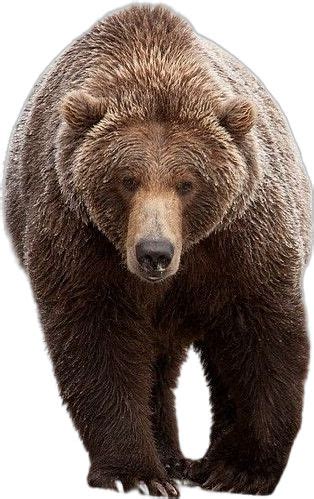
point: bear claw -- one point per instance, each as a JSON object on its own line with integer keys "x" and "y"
{"x": 119, "y": 486}
{"x": 153, "y": 487}
{"x": 159, "y": 489}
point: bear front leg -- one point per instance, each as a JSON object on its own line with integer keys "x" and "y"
{"x": 167, "y": 369}
{"x": 103, "y": 370}
{"x": 102, "y": 357}
{"x": 104, "y": 374}
{"x": 260, "y": 354}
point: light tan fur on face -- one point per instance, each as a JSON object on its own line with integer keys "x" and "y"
{"x": 155, "y": 214}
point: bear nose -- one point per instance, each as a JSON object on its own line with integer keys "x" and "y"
{"x": 154, "y": 254}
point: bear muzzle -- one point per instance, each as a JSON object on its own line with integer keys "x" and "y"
{"x": 154, "y": 257}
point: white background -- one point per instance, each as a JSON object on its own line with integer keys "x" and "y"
{"x": 41, "y": 455}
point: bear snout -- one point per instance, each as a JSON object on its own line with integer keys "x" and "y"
{"x": 154, "y": 256}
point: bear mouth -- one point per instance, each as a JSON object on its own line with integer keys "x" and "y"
{"x": 153, "y": 277}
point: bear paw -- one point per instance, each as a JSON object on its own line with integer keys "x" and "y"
{"x": 223, "y": 477}
{"x": 154, "y": 487}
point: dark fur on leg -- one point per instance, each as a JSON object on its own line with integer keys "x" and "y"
{"x": 164, "y": 414}
{"x": 252, "y": 440}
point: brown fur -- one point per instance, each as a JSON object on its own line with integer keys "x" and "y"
{"x": 142, "y": 130}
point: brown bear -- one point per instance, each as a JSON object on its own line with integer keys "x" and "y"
{"x": 156, "y": 198}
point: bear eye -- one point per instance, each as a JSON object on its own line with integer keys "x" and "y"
{"x": 130, "y": 183}
{"x": 184, "y": 187}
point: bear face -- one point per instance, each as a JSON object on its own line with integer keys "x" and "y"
{"x": 154, "y": 187}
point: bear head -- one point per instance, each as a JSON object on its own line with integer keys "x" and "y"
{"x": 156, "y": 181}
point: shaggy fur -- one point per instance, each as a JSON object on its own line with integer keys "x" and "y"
{"x": 141, "y": 128}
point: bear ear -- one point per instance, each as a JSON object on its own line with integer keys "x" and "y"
{"x": 238, "y": 115}
{"x": 81, "y": 110}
